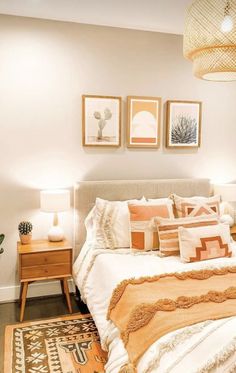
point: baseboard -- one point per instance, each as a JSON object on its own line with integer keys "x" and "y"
{"x": 37, "y": 289}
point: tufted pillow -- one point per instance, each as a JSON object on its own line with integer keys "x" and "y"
{"x": 111, "y": 223}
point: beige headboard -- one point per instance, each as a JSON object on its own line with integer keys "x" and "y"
{"x": 86, "y": 193}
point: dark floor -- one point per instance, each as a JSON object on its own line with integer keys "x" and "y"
{"x": 36, "y": 308}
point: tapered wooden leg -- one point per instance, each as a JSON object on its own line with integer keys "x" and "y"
{"x": 23, "y": 300}
{"x": 21, "y": 289}
{"x": 67, "y": 294}
{"x": 62, "y": 287}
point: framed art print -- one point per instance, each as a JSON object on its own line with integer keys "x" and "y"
{"x": 101, "y": 120}
{"x": 183, "y": 127}
{"x": 143, "y": 129}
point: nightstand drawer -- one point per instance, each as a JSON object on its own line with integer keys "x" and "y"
{"x": 34, "y": 259}
{"x": 45, "y": 271}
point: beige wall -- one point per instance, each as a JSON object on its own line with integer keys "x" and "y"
{"x": 45, "y": 66}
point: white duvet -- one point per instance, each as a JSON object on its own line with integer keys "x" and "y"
{"x": 205, "y": 347}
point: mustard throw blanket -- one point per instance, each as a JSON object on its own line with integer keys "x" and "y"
{"x": 145, "y": 309}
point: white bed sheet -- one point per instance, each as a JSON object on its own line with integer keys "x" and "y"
{"x": 193, "y": 349}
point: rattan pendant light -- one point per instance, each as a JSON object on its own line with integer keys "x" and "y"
{"x": 210, "y": 39}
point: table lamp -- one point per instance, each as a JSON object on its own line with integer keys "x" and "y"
{"x": 228, "y": 194}
{"x": 55, "y": 201}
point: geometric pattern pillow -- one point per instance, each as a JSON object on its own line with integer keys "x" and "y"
{"x": 143, "y": 230}
{"x": 168, "y": 231}
{"x": 196, "y": 206}
{"x": 204, "y": 243}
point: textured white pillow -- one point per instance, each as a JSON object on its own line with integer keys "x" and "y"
{"x": 111, "y": 223}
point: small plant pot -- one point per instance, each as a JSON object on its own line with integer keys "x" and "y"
{"x": 25, "y": 238}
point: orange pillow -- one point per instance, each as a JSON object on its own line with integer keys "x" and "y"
{"x": 143, "y": 230}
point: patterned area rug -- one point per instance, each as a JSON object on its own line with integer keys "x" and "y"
{"x": 67, "y": 344}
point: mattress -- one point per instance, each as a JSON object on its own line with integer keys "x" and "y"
{"x": 205, "y": 347}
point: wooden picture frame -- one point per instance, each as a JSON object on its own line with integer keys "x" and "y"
{"x": 143, "y": 122}
{"x": 183, "y": 124}
{"x": 101, "y": 121}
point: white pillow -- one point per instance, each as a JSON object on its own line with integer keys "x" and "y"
{"x": 89, "y": 223}
{"x": 160, "y": 200}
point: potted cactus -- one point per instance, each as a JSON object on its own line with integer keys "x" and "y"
{"x": 25, "y": 232}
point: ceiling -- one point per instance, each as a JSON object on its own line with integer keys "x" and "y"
{"x": 154, "y": 15}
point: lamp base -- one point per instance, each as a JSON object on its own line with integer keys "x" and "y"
{"x": 55, "y": 234}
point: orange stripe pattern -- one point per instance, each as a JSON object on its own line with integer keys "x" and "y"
{"x": 168, "y": 231}
{"x": 143, "y": 140}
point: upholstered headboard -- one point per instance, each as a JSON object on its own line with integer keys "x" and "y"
{"x": 86, "y": 193}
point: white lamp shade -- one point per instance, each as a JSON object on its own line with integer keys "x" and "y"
{"x": 55, "y": 200}
{"x": 227, "y": 191}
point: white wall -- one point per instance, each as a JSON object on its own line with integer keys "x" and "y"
{"x": 45, "y": 67}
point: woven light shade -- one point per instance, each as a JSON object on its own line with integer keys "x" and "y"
{"x": 212, "y": 51}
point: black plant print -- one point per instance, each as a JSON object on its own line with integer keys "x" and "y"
{"x": 184, "y": 130}
{"x": 1, "y": 240}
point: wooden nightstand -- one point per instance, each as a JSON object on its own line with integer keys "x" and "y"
{"x": 44, "y": 260}
{"x": 233, "y": 232}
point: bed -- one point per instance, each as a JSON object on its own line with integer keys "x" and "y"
{"x": 208, "y": 346}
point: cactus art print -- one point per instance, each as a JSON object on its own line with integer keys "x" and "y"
{"x": 183, "y": 128}
{"x": 101, "y": 120}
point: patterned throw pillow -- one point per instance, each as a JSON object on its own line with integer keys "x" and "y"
{"x": 204, "y": 243}
{"x": 195, "y": 206}
{"x": 111, "y": 223}
{"x": 143, "y": 230}
{"x": 168, "y": 231}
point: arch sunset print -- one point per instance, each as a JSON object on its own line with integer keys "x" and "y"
{"x": 143, "y": 122}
